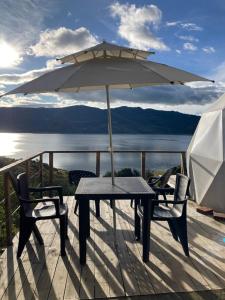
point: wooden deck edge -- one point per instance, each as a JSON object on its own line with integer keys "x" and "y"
{"x": 218, "y": 294}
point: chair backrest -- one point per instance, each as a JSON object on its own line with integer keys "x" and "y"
{"x": 181, "y": 188}
{"x": 76, "y": 175}
{"x": 23, "y": 191}
{"x": 165, "y": 177}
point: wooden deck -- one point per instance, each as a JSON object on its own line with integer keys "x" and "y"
{"x": 43, "y": 274}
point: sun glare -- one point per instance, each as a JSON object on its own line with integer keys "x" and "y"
{"x": 8, "y": 143}
{"x": 9, "y": 56}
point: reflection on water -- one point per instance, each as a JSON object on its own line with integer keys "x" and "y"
{"x": 8, "y": 143}
{"x": 25, "y": 144}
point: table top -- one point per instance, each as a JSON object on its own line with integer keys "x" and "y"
{"x": 124, "y": 188}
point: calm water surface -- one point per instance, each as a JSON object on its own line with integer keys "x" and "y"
{"x": 20, "y": 145}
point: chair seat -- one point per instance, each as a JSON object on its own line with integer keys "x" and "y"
{"x": 46, "y": 211}
{"x": 162, "y": 212}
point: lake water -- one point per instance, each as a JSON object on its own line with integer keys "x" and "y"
{"x": 20, "y": 145}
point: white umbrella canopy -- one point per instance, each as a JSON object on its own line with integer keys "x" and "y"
{"x": 107, "y": 50}
{"x": 97, "y": 73}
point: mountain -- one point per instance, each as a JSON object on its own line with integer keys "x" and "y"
{"x": 84, "y": 119}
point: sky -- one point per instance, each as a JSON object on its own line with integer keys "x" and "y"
{"x": 186, "y": 34}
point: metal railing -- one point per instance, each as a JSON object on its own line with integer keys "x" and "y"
{"x": 8, "y": 193}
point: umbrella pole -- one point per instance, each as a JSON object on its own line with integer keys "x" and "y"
{"x": 110, "y": 134}
{"x": 112, "y": 163}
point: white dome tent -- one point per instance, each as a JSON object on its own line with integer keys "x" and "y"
{"x": 206, "y": 158}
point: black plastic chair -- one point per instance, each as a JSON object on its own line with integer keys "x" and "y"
{"x": 175, "y": 213}
{"x": 29, "y": 214}
{"x": 158, "y": 183}
{"x": 74, "y": 178}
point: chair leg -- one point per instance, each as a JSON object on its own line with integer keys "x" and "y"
{"x": 111, "y": 203}
{"x": 76, "y": 207}
{"x": 62, "y": 221}
{"x": 26, "y": 228}
{"x": 181, "y": 225}
{"x": 173, "y": 230}
{"x": 66, "y": 229}
{"x": 137, "y": 221}
{"x": 97, "y": 208}
{"x": 38, "y": 235}
{"x": 131, "y": 202}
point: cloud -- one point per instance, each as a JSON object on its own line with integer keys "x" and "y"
{"x": 178, "y": 51}
{"x": 21, "y": 21}
{"x": 19, "y": 78}
{"x": 188, "y": 38}
{"x": 184, "y": 25}
{"x": 190, "y": 47}
{"x": 209, "y": 49}
{"x": 135, "y": 22}
{"x": 191, "y": 27}
{"x": 63, "y": 41}
{"x": 172, "y": 24}
{"x": 219, "y": 73}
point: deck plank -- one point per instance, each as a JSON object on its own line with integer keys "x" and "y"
{"x": 43, "y": 274}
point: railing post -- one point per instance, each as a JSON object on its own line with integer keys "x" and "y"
{"x": 183, "y": 163}
{"x": 50, "y": 168}
{"x": 98, "y": 163}
{"x": 41, "y": 169}
{"x": 143, "y": 164}
{"x": 8, "y": 216}
{"x": 27, "y": 167}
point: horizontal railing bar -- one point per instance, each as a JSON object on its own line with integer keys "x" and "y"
{"x": 10, "y": 194}
{"x": 2, "y": 201}
{"x": 13, "y": 213}
{"x": 19, "y": 162}
{"x": 116, "y": 151}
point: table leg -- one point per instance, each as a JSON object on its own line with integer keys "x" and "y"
{"x": 137, "y": 221}
{"x": 97, "y": 208}
{"x": 87, "y": 210}
{"x": 146, "y": 229}
{"x": 114, "y": 221}
{"x": 83, "y": 216}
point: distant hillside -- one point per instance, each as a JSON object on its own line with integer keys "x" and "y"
{"x": 84, "y": 119}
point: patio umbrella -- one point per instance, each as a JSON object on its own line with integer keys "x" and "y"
{"x": 106, "y": 66}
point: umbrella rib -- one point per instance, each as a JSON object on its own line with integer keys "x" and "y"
{"x": 171, "y": 82}
{"x": 61, "y": 86}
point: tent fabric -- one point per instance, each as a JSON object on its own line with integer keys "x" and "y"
{"x": 105, "y": 49}
{"x": 206, "y": 158}
{"x": 114, "y": 72}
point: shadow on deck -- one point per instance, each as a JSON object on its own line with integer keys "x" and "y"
{"x": 43, "y": 274}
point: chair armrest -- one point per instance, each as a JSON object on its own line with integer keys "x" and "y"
{"x": 56, "y": 202}
{"x": 57, "y": 188}
{"x": 45, "y": 188}
{"x": 153, "y": 179}
{"x": 156, "y": 202}
{"x": 164, "y": 190}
